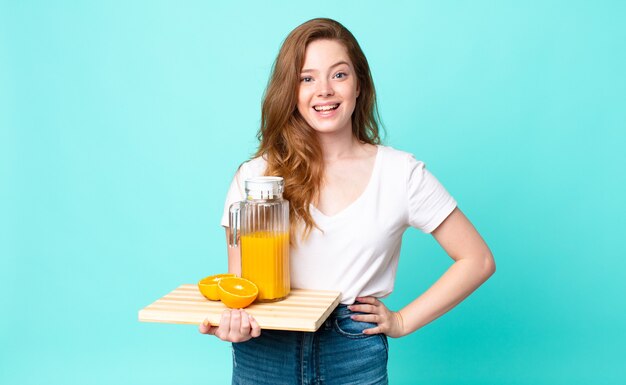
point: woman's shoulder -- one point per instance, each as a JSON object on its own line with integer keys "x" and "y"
{"x": 395, "y": 156}
{"x": 253, "y": 167}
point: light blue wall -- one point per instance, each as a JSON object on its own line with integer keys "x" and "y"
{"x": 121, "y": 123}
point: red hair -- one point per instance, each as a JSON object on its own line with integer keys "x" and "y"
{"x": 287, "y": 142}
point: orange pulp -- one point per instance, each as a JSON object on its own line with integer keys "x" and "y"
{"x": 237, "y": 293}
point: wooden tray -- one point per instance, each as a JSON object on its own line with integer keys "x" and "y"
{"x": 302, "y": 310}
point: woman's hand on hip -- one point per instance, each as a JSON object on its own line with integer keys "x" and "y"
{"x": 389, "y": 322}
{"x": 235, "y": 326}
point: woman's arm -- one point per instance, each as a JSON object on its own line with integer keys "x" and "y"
{"x": 473, "y": 265}
{"x": 234, "y": 256}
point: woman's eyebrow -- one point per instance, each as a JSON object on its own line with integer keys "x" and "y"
{"x": 332, "y": 66}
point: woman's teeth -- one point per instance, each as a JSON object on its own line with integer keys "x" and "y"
{"x": 326, "y": 108}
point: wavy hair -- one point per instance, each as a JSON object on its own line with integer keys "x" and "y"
{"x": 287, "y": 142}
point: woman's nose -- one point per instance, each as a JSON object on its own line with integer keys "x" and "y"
{"x": 325, "y": 88}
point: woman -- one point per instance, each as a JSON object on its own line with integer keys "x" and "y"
{"x": 351, "y": 199}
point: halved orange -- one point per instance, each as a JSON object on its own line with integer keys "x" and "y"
{"x": 208, "y": 286}
{"x": 237, "y": 293}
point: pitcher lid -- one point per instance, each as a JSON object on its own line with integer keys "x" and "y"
{"x": 264, "y": 187}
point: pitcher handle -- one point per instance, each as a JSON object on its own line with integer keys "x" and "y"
{"x": 233, "y": 223}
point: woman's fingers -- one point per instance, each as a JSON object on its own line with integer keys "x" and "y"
{"x": 255, "y": 328}
{"x": 244, "y": 329}
{"x": 374, "y": 311}
{"x": 366, "y": 305}
{"x": 363, "y": 308}
{"x": 206, "y": 328}
{"x": 370, "y": 300}
{"x": 223, "y": 330}
{"x": 235, "y": 326}
{"x": 203, "y": 327}
{"x": 371, "y": 318}
{"x": 374, "y": 330}
{"x": 374, "y": 314}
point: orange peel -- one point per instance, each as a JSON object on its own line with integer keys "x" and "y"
{"x": 237, "y": 293}
{"x": 208, "y": 285}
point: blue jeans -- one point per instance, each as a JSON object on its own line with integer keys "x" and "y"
{"x": 337, "y": 353}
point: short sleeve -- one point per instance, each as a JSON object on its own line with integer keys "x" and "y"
{"x": 237, "y": 190}
{"x": 429, "y": 203}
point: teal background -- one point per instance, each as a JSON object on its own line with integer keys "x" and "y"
{"x": 122, "y": 122}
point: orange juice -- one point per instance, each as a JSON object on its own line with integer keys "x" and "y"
{"x": 265, "y": 261}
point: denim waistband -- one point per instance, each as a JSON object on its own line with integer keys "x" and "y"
{"x": 340, "y": 310}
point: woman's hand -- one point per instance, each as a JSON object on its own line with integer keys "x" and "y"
{"x": 235, "y": 326}
{"x": 389, "y": 322}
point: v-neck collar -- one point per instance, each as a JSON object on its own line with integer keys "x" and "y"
{"x": 374, "y": 175}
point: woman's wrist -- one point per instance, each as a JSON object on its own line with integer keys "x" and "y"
{"x": 400, "y": 324}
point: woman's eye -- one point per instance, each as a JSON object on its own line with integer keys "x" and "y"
{"x": 306, "y": 79}
{"x": 341, "y": 75}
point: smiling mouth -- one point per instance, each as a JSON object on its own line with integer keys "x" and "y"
{"x": 328, "y": 107}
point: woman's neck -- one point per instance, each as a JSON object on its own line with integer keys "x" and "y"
{"x": 337, "y": 146}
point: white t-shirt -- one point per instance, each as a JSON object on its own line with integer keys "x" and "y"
{"x": 358, "y": 248}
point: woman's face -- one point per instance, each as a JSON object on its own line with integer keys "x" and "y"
{"x": 328, "y": 87}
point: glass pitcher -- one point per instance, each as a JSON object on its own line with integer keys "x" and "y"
{"x": 260, "y": 226}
